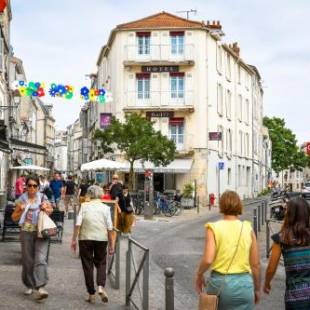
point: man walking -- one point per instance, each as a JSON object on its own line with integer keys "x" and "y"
{"x": 57, "y": 186}
{"x": 70, "y": 191}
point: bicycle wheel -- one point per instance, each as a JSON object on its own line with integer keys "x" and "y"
{"x": 169, "y": 210}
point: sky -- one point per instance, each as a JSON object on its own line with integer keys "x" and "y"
{"x": 60, "y": 40}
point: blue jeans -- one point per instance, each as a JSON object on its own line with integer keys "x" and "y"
{"x": 237, "y": 291}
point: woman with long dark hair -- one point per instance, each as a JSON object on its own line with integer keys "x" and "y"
{"x": 293, "y": 242}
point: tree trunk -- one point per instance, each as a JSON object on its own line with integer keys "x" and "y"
{"x": 131, "y": 176}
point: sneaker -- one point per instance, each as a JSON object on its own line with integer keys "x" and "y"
{"x": 102, "y": 293}
{"x": 28, "y": 291}
{"x": 40, "y": 294}
{"x": 91, "y": 299}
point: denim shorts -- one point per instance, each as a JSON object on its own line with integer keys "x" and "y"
{"x": 237, "y": 290}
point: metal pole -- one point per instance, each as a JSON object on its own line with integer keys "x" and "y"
{"x": 198, "y": 207}
{"x": 128, "y": 271}
{"x": 255, "y": 221}
{"x": 266, "y": 206}
{"x": 258, "y": 218}
{"x": 169, "y": 288}
{"x": 117, "y": 262}
{"x": 195, "y": 194}
{"x": 263, "y": 213}
{"x": 146, "y": 270}
{"x": 267, "y": 238}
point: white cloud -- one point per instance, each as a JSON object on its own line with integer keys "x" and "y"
{"x": 60, "y": 40}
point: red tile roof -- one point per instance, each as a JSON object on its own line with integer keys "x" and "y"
{"x": 161, "y": 20}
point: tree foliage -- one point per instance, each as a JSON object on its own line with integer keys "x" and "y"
{"x": 136, "y": 139}
{"x": 285, "y": 151}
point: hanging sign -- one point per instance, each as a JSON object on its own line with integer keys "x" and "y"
{"x": 215, "y": 136}
{"x": 168, "y": 114}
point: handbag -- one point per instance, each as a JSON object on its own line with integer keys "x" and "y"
{"x": 46, "y": 227}
{"x": 211, "y": 301}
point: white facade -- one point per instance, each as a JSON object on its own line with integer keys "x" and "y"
{"x": 206, "y": 88}
{"x": 61, "y": 152}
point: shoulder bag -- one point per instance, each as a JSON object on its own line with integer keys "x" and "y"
{"x": 210, "y": 301}
{"x": 46, "y": 227}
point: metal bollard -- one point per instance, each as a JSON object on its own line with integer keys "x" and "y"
{"x": 267, "y": 238}
{"x": 255, "y": 221}
{"x": 263, "y": 213}
{"x": 266, "y": 207}
{"x": 258, "y": 218}
{"x": 169, "y": 286}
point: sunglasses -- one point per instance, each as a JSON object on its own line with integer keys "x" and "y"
{"x": 32, "y": 185}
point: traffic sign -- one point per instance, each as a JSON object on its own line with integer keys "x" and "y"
{"x": 221, "y": 165}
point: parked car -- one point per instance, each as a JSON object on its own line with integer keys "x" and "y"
{"x": 306, "y": 187}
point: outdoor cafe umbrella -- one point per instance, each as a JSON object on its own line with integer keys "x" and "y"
{"x": 30, "y": 167}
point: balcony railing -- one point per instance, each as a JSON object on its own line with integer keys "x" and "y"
{"x": 160, "y": 52}
{"x": 159, "y": 99}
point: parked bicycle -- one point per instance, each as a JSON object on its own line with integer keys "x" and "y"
{"x": 164, "y": 206}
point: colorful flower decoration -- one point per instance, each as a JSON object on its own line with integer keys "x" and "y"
{"x": 63, "y": 91}
{"x": 31, "y": 89}
{"x": 95, "y": 94}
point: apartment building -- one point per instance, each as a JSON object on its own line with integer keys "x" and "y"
{"x": 61, "y": 151}
{"x": 199, "y": 92}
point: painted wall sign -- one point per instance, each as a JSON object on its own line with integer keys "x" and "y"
{"x": 157, "y": 69}
{"x": 159, "y": 114}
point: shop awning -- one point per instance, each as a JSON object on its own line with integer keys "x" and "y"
{"x": 103, "y": 164}
{"x": 177, "y": 166}
{"x": 30, "y": 167}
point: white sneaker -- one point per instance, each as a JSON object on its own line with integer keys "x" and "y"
{"x": 28, "y": 291}
{"x": 102, "y": 293}
{"x": 40, "y": 294}
{"x": 91, "y": 299}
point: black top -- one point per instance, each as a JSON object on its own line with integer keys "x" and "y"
{"x": 70, "y": 187}
{"x": 83, "y": 188}
{"x": 116, "y": 191}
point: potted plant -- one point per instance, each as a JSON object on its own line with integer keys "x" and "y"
{"x": 187, "y": 200}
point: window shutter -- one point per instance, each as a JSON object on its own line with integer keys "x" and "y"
{"x": 165, "y": 89}
{"x": 155, "y": 89}
{"x": 131, "y": 89}
{"x": 189, "y": 91}
{"x": 1, "y": 55}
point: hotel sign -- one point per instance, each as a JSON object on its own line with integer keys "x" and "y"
{"x": 159, "y": 69}
{"x": 160, "y": 114}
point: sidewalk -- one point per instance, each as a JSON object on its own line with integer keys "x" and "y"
{"x": 66, "y": 286}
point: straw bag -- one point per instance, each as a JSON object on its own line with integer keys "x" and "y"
{"x": 211, "y": 301}
{"x": 46, "y": 227}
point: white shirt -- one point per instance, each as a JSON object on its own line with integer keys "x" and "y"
{"x": 95, "y": 221}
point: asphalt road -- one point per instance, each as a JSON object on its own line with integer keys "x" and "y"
{"x": 180, "y": 245}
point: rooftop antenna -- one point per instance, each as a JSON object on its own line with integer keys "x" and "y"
{"x": 188, "y": 12}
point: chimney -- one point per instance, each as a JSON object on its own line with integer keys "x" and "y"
{"x": 215, "y": 28}
{"x": 235, "y": 47}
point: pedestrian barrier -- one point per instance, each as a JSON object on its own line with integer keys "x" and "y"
{"x": 114, "y": 263}
{"x": 140, "y": 272}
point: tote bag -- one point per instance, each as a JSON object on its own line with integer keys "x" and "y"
{"x": 46, "y": 227}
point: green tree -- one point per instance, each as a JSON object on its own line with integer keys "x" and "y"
{"x": 285, "y": 151}
{"x": 136, "y": 139}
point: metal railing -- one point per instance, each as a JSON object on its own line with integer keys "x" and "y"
{"x": 114, "y": 264}
{"x": 159, "y": 98}
{"x": 140, "y": 270}
{"x": 157, "y": 52}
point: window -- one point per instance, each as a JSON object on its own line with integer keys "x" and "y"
{"x": 239, "y": 175}
{"x": 177, "y": 85}
{"x": 176, "y": 132}
{"x": 2, "y": 68}
{"x": 228, "y": 104}
{"x": 255, "y": 109}
{"x": 219, "y": 58}
{"x": 221, "y": 142}
{"x": 240, "y": 143}
{"x": 255, "y": 142}
{"x": 248, "y": 176}
{"x": 144, "y": 43}
{"x": 228, "y": 69}
{"x": 229, "y": 176}
{"x": 239, "y": 73}
{"x": 229, "y": 142}
{"x": 177, "y": 42}
{"x": 220, "y": 99}
{"x": 143, "y": 85}
{"x": 240, "y": 108}
{"x": 247, "y": 144}
{"x": 247, "y": 111}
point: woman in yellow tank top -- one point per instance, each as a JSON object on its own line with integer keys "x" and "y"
{"x": 231, "y": 253}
